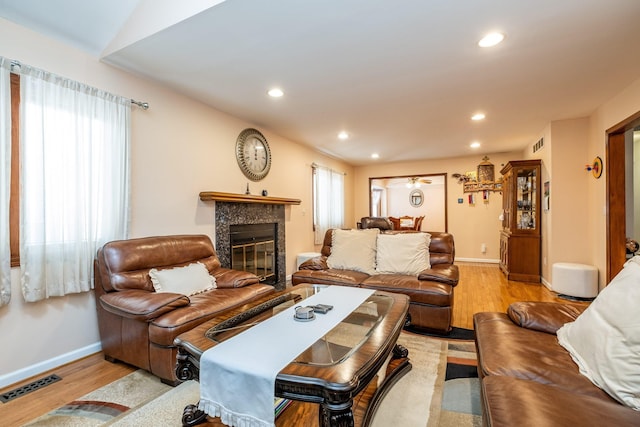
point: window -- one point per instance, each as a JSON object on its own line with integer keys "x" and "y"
{"x": 72, "y": 154}
{"x": 328, "y": 201}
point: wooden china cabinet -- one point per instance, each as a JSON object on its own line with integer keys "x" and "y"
{"x": 520, "y": 236}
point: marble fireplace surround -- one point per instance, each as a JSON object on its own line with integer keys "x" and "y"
{"x": 239, "y": 209}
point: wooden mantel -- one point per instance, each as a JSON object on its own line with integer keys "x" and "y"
{"x": 246, "y": 198}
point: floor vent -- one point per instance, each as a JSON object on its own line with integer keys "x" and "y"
{"x": 28, "y": 388}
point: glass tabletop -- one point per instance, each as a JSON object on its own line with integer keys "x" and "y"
{"x": 332, "y": 348}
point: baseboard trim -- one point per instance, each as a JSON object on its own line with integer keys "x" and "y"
{"x": 46, "y": 365}
{"x": 483, "y": 260}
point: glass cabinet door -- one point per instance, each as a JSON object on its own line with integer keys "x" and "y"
{"x": 526, "y": 188}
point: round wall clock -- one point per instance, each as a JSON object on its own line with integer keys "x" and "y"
{"x": 253, "y": 154}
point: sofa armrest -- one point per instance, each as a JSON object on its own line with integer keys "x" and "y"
{"x": 442, "y": 273}
{"x": 142, "y": 305}
{"x": 315, "y": 263}
{"x": 543, "y": 316}
{"x": 228, "y": 278}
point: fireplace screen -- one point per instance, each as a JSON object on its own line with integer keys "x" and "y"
{"x": 253, "y": 249}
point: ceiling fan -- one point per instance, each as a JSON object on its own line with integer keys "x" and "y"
{"x": 416, "y": 181}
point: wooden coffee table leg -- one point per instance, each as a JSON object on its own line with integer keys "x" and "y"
{"x": 193, "y": 416}
{"x": 336, "y": 415}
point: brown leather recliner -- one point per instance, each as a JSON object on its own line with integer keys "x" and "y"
{"x": 137, "y": 325}
{"x": 430, "y": 292}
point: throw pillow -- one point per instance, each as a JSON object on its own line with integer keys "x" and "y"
{"x": 403, "y": 253}
{"x": 604, "y": 341}
{"x": 189, "y": 280}
{"x": 354, "y": 250}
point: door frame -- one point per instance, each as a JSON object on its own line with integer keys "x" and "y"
{"x": 615, "y": 194}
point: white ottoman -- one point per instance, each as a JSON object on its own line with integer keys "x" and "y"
{"x": 302, "y": 257}
{"x": 575, "y": 280}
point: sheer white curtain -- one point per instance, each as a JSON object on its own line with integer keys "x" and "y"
{"x": 328, "y": 199}
{"x": 5, "y": 180}
{"x": 376, "y": 199}
{"x": 74, "y": 148}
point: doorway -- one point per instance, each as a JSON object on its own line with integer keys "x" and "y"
{"x": 617, "y": 164}
{"x": 411, "y": 195}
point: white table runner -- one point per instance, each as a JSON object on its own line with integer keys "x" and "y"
{"x": 237, "y": 377}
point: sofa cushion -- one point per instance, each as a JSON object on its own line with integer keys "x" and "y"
{"x": 517, "y": 402}
{"x": 429, "y": 293}
{"x": 188, "y": 280}
{"x": 543, "y": 316}
{"x": 354, "y": 250}
{"x": 506, "y": 349}
{"x": 329, "y": 277}
{"x": 403, "y": 253}
{"x": 204, "y": 306}
{"x": 605, "y": 340}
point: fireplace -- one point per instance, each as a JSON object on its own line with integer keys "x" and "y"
{"x": 253, "y": 249}
{"x": 267, "y": 259}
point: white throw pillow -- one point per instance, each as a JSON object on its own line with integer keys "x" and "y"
{"x": 354, "y": 250}
{"x": 403, "y": 253}
{"x": 604, "y": 340}
{"x": 189, "y": 280}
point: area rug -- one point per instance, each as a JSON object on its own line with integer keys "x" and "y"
{"x": 106, "y": 403}
{"x": 427, "y": 396}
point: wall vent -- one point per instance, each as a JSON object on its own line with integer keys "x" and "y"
{"x": 538, "y": 145}
{"x": 28, "y": 388}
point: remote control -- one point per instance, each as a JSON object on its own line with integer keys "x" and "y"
{"x": 322, "y": 308}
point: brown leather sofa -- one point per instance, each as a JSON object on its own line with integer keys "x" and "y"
{"x": 430, "y": 293}
{"x": 528, "y": 379}
{"x": 138, "y": 325}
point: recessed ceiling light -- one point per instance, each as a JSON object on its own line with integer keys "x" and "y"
{"x": 478, "y": 116}
{"x": 491, "y": 39}
{"x": 343, "y": 135}
{"x": 474, "y": 144}
{"x": 375, "y": 156}
{"x": 275, "y": 92}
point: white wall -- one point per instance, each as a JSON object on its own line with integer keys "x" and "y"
{"x": 625, "y": 104}
{"x": 433, "y": 207}
{"x": 180, "y": 147}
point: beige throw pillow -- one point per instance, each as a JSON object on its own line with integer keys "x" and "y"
{"x": 354, "y": 250}
{"x": 604, "y": 340}
{"x": 189, "y": 280}
{"x": 403, "y": 253}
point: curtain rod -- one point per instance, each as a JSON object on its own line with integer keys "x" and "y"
{"x": 16, "y": 65}
{"x": 314, "y": 165}
{"x": 143, "y": 105}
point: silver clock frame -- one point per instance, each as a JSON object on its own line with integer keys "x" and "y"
{"x": 244, "y": 163}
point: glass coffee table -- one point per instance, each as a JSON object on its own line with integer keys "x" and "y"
{"x": 338, "y": 381}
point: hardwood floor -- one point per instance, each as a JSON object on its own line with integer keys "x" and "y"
{"x": 482, "y": 287}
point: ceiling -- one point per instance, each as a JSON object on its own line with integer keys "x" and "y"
{"x": 401, "y": 77}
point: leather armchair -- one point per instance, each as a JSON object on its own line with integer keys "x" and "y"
{"x": 137, "y": 325}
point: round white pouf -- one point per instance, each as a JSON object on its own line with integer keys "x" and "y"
{"x": 302, "y": 257}
{"x": 576, "y": 280}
